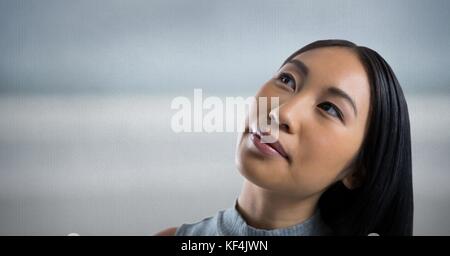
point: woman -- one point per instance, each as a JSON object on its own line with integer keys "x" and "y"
{"x": 341, "y": 164}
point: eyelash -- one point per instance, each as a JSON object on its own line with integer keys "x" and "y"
{"x": 286, "y": 75}
{"x": 336, "y": 109}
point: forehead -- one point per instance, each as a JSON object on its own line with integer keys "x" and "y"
{"x": 338, "y": 66}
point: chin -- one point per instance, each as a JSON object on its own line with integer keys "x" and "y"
{"x": 261, "y": 172}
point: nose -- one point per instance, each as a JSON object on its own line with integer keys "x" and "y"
{"x": 288, "y": 115}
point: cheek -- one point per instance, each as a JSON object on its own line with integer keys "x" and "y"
{"x": 322, "y": 155}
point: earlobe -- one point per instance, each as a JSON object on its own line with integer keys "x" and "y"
{"x": 353, "y": 180}
{"x": 349, "y": 182}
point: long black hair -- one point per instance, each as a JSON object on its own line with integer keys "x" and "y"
{"x": 383, "y": 203}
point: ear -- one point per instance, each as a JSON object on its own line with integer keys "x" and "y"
{"x": 354, "y": 179}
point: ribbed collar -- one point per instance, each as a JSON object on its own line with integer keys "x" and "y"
{"x": 231, "y": 223}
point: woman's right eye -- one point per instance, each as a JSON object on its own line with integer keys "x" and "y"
{"x": 287, "y": 80}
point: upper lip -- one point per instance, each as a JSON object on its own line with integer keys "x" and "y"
{"x": 275, "y": 145}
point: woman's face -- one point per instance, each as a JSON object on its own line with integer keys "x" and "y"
{"x": 322, "y": 115}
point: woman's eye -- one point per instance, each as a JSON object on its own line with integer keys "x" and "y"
{"x": 331, "y": 109}
{"x": 287, "y": 80}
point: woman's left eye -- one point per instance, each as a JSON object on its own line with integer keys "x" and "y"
{"x": 331, "y": 109}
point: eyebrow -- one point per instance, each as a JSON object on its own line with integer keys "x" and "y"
{"x": 304, "y": 70}
{"x": 340, "y": 93}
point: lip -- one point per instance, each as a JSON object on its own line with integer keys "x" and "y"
{"x": 269, "y": 149}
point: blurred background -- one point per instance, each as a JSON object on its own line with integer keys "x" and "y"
{"x": 86, "y": 86}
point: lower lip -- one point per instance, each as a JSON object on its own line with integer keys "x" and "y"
{"x": 263, "y": 147}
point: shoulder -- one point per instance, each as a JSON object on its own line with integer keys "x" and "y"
{"x": 205, "y": 227}
{"x": 167, "y": 232}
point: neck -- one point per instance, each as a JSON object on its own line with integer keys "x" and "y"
{"x": 265, "y": 209}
